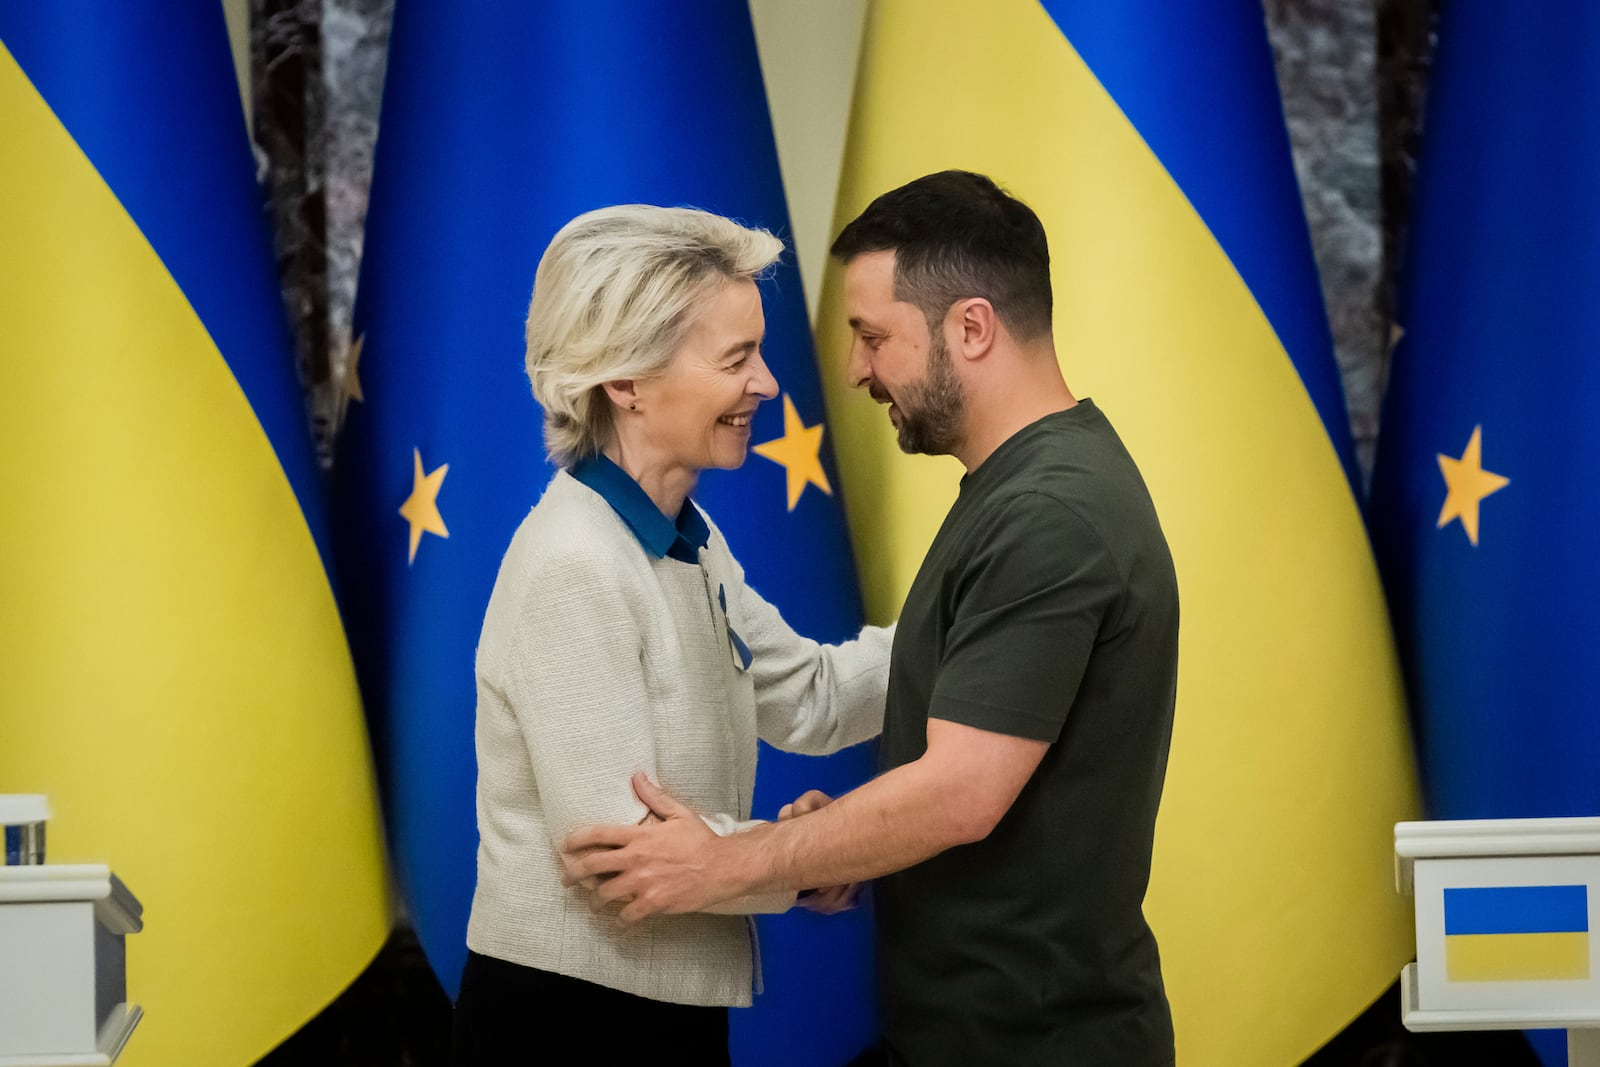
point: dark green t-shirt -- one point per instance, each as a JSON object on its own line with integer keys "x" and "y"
{"x": 1047, "y": 608}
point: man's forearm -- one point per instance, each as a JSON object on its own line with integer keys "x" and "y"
{"x": 955, "y": 793}
{"x": 892, "y": 822}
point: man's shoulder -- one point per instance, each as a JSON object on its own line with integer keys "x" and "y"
{"x": 1080, "y": 495}
{"x": 1042, "y": 514}
{"x": 1084, "y": 466}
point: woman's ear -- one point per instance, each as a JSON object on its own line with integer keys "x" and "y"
{"x": 623, "y": 393}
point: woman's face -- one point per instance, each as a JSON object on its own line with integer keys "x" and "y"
{"x": 697, "y": 414}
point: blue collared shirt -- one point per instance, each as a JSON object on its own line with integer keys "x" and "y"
{"x": 660, "y": 536}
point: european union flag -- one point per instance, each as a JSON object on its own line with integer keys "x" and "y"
{"x": 1483, "y": 511}
{"x": 501, "y": 122}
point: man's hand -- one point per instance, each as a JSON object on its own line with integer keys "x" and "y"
{"x": 653, "y": 868}
{"x": 834, "y": 898}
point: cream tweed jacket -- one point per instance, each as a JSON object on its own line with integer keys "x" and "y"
{"x": 598, "y": 660}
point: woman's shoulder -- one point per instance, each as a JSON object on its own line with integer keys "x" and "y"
{"x": 572, "y": 529}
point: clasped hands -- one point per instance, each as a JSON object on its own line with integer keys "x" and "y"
{"x": 672, "y": 862}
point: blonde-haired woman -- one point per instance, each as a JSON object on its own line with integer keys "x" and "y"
{"x": 621, "y": 637}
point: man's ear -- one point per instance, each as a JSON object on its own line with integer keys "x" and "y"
{"x": 975, "y": 325}
{"x": 624, "y": 393}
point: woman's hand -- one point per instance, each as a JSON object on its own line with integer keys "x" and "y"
{"x": 804, "y": 804}
{"x": 831, "y": 899}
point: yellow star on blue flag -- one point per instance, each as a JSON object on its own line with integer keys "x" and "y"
{"x": 421, "y": 508}
{"x": 350, "y": 388}
{"x": 1467, "y": 484}
{"x": 799, "y": 450}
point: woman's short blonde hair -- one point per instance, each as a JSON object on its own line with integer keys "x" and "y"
{"x": 613, "y": 298}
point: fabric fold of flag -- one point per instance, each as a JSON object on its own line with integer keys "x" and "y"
{"x": 1187, "y": 306}
{"x": 500, "y": 123}
{"x": 178, "y": 681}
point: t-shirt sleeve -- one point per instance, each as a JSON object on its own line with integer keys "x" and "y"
{"x": 1027, "y": 610}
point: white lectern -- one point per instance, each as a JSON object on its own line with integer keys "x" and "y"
{"x": 1505, "y": 938}
{"x": 63, "y": 989}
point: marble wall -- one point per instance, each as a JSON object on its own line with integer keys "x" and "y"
{"x": 316, "y": 82}
{"x": 355, "y": 45}
{"x": 1326, "y": 52}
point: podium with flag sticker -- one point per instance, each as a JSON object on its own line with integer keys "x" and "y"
{"x": 63, "y": 986}
{"x": 1505, "y": 934}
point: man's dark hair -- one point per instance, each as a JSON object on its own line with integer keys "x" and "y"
{"x": 957, "y": 235}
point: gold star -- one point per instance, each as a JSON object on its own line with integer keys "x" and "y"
{"x": 1467, "y": 483}
{"x": 351, "y": 389}
{"x": 800, "y": 452}
{"x": 1397, "y": 333}
{"x": 352, "y": 381}
{"x": 421, "y": 508}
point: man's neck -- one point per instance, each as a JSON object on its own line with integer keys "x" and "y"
{"x": 1008, "y": 398}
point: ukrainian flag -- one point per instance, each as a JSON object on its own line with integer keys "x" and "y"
{"x": 1516, "y": 933}
{"x": 176, "y": 677}
{"x": 502, "y": 121}
{"x": 1150, "y": 138}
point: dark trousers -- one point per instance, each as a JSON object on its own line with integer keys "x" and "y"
{"x": 509, "y": 1014}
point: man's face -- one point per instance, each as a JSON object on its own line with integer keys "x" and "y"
{"x": 899, "y": 361}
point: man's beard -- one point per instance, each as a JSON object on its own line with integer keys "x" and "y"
{"x": 933, "y": 409}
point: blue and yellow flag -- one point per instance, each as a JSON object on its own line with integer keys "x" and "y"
{"x": 1150, "y": 138}
{"x": 501, "y": 122}
{"x": 1516, "y": 933}
{"x": 176, "y": 677}
{"x": 1483, "y": 512}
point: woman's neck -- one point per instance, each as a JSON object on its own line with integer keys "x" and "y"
{"x": 667, "y": 485}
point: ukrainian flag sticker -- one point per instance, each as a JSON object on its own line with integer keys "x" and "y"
{"x": 1516, "y": 933}
{"x": 1508, "y": 933}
